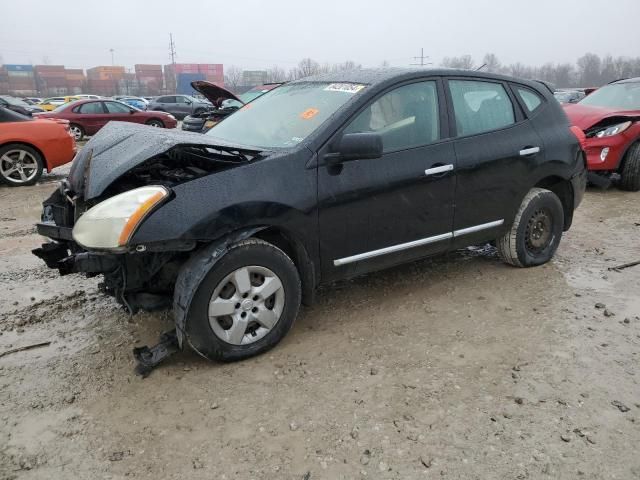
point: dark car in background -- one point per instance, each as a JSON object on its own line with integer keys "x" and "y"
{"x": 224, "y": 104}
{"x": 569, "y": 96}
{"x": 179, "y": 105}
{"x": 321, "y": 179}
{"x": 610, "y": 119}
{"x": 87, "y": 117}
{"x": 18, "y": 105}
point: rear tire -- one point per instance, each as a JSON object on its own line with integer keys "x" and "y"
{"x": 536, "y": 231}
{"x": 20, "y": 165}
{"x": 630, "y": 172}
{"x": 77, "y": 131}
{"x": 212, "y": 329}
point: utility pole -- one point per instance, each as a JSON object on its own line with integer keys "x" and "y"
{"x": 422, "y": 58}
{"x": 172, "y": 51}
{"x": 112, "y": 61}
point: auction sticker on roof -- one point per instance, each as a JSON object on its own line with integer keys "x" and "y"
{"x": 344, "y": 87}
{"x": 309, "y": 113}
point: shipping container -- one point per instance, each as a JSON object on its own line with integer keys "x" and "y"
{"x": 18, "y": 68}
{"x": 184, "y": 82}
{"x": 20, "y": 73}
{"x": 48, "y": 68}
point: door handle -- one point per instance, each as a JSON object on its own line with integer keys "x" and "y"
{"x": 438, "y": 169}
{"x": 528, "y": 151}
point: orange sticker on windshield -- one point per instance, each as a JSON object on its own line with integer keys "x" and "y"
{"x": 309, "y": 113}
{"x": 246, "y": 106}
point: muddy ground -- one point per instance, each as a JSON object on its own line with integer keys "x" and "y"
{"x": 456, "y": 367}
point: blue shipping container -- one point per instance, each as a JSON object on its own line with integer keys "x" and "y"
{"x": 184, "y": 82}
{"x": 18, "y": 68}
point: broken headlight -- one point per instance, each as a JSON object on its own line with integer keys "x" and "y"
{"x": 612, "y": 130}
{"x": 110, "y": 224}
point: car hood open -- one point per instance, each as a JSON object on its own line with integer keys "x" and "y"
{"x": 121, "y": 146}
{"x": 212, "y": 92}
{"x": 586, "y": 116}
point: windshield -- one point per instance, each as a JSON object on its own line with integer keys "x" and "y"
{"x": 625, "y": 96}
{"x": 16, "y": 101}
{"x": 285, "y": 116}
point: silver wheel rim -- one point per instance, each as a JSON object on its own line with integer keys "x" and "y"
{"x": 76, "y": 132}
{"x": 18, "y": 166}
{"x": 246, "y": 305}
{"x": 154, "y": 124}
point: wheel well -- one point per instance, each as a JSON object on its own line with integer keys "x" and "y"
{"x": 563, "y": 189}
{"x": 44, "y": 159}
{"x": 154, "y": 119}
{"x": 298, "y": 254}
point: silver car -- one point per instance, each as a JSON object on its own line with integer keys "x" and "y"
{"x": 179, "y": 105}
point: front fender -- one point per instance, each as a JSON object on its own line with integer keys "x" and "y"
{"x": 193, "y": 272}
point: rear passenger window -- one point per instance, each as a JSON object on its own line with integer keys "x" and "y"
{"x": 406, "y": 117}
{"x": 531, "y": 100}
{"x": 480, "y": 106}
{"x": 93, "y": 107}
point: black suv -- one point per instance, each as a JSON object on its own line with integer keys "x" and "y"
{"x": 320, "y": 179}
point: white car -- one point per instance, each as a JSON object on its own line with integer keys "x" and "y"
{"x": 85, "y": 96}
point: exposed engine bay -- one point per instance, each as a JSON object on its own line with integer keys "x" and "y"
{"x": 179, "y": 165}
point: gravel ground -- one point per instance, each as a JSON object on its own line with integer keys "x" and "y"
{"x": 454, "y": 367}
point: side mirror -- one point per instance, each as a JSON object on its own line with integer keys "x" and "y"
{"x": 356, "y": 146}
{"x": 132, "y": 111}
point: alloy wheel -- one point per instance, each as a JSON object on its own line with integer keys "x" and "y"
{"x": 246, "y": 305}
{"x": 76, "y": 132}
{"x": 18, "y": 166}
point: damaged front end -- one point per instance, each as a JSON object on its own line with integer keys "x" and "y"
{"x": 133, "y": 170}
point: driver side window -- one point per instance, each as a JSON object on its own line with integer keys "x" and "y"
{"x": 406, "y": 117}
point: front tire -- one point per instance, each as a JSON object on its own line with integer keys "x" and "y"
{"x": 630, "y": 173}
{"x": 245, "y": 304}
{"x": 155, "y": 123}
{"x": 20, "y": 165}
{"x": 537, "y": 229}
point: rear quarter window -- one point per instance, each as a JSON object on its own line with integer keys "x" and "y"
{"x": 531, "y": 100}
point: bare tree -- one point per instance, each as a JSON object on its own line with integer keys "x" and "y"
{"x": 463, "y": 62}
{"x": 589, "y": 66}
{"x": 233, "y": 77}
{"x": 276, "y": 74}
{"x": 305, "y": 68}
{"x": 492, "y": 63}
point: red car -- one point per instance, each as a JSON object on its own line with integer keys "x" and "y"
{"x": 86, "y": 117}
{"x": 610, "y": 119}
{"x": 29, "y": 146}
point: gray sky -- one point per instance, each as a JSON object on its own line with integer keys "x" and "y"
{"x": 256, "y": 34}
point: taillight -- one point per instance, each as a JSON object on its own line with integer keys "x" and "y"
{"x": 582, "y": 138}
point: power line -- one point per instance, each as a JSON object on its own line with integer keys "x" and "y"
{"x": 422, "y": 58}
{"x": 172, "y": 49}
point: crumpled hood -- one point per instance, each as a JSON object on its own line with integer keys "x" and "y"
{"x": 212, "y": 92}
{"x": 121, "y": 146}
{"x": 586, "y": 116}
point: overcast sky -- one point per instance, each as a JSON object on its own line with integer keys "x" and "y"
{"x": 257, "y": 34}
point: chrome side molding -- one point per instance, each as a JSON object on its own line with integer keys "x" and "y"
{"x": 416, "y": 243}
